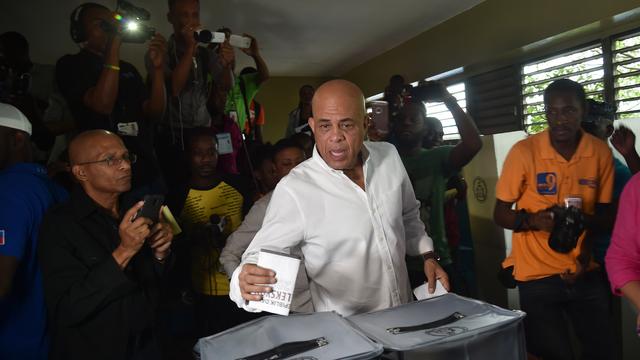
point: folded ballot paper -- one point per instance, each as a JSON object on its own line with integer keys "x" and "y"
{"x": 422, "y": 292}
{"x": 285, "y": 266}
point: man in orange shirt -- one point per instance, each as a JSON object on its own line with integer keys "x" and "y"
{"x": 561, "y": 166}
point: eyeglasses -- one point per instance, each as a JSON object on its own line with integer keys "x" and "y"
{"x": 113, "y": 161}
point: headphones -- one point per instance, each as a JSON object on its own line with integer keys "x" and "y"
{"x": 77, "y": 27}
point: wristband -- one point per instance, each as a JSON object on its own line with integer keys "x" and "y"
{"x": 430, "y": 255}
{"x": 112, "y": 67}
{"x": 522, "y": 221}
{"x": 162, "y": 258}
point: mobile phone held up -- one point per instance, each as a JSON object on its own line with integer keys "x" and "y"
{"x": 380, "y": 116}
{"x": 238, "y": 41}
{"x": 151, "y": 208}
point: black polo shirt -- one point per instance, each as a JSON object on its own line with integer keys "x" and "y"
{"x": 76, "y": 74}
{"x": 96, "y": 310}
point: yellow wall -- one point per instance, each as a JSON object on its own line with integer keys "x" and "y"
{"x": 497, "y": 31}
{"x": 279, "y": 95}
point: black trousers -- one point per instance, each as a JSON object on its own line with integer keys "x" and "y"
{"x": 550, "y": 301}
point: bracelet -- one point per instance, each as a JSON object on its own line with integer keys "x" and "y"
{"x": 162, "y": 258}
{"x": 430, "y": 255}
{"x": 112, "y": 67}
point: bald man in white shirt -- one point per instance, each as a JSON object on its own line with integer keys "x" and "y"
{"x": 350, "y": 210}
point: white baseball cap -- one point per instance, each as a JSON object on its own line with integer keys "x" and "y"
{"x": 13, "y": 118}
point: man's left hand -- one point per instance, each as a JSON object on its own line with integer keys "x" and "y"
{"x": 434, "y": 272}
{"x": 160, "y": 240}
{"x": 157, "y": 51}
{"x": 624, "y": 140}
{"x": 253, "y": 48}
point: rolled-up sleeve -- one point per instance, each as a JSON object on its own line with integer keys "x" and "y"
{"x": 623, "y": 256}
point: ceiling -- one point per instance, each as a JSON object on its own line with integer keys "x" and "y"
{"x": 296, "y": 37}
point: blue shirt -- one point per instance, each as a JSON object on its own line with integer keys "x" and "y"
{"x": 25, "y": 195}
{"x": 622, "y": 174}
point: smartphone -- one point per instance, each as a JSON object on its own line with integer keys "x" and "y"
{"x": 380, "y": 115}
{"x": 151, "y": 208}
{"x": 238, "y": 41}
{"x": 218, "y": 37}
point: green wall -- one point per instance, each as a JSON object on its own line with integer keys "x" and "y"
{"x": 495, "y": 32}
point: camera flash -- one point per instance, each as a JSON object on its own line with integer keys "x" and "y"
{"x": 132, "y": 26}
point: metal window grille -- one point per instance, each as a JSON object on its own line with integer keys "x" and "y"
{"x": 626, "y": 75}
{"x": 585, "y": 66}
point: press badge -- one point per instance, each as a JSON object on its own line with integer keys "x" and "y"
{"x": 128, "y": 129}
{"x": 224, "y": 143}
{"x": 575, "y": 201}
{"x": 233, "y": 116}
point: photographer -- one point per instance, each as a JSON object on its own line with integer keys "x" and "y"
{"x": 191, "y": 71}
{"x": 104, "y": 92}
{"x": 244, "y": 88}
{"x": 431, "y": 167}
{"x": 556, "y": 179}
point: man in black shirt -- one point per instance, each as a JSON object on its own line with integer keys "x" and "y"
{"x": 104, "y": 92}
{"x": 101, "y": 268}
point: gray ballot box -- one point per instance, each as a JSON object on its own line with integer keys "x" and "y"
{"x": 323, "y": 335}
{"x": 446, "y": 327}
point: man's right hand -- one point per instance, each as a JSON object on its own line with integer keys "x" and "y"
{"x": 542, "y": 220}
{"x": 133, "y": 233}
{"x": 251, "y": 275}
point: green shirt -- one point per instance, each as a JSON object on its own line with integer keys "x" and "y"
{"x": 429, "y": 171}
{"x": 235, "y": 103}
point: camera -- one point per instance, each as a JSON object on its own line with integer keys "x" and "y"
{"x": 12, "y": 82}
{"x": 131, "y": 26}
{"x": 567, "y": 228}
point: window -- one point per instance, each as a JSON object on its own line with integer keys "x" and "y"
{"x": 626, "y": 75}
{"x": 439, "y": 110}
{"x": 585, "y": 66}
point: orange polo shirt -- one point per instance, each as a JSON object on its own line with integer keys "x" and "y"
{"x": 536, "y": 177}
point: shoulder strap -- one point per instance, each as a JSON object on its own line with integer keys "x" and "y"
{"x": 243, "y": 91}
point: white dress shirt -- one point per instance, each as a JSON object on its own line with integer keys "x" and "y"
{"x": 354, "y": 241}
{"x": 239, "y": 240}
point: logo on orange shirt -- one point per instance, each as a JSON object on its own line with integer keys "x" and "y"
{"x": 590, "y": 182}
{"x": 547, "y": 183}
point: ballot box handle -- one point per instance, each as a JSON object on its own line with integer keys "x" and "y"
{"x": 426, "y": 326}
{"x": 288, "y": 349}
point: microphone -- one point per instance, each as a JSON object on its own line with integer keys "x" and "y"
{"x": 218, "y": 224}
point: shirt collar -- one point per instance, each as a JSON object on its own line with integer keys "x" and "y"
{"x": 584, "y": 150}
{"x": 83, "y": 205}
{"x": 25, "y": 167}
